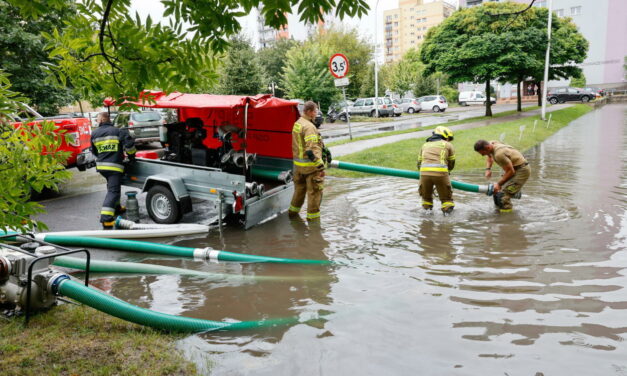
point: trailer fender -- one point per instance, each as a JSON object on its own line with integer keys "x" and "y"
{"x": 175, "y": 185}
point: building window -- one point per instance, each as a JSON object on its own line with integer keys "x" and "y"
{"x": 395, "y": 16}
{"x": 540, "y": 3}
{"x": 574, "y": 11}
{"x": 388, "y": 18}
{"x": 559, "y": 12}
{"x": 395, "y": 24}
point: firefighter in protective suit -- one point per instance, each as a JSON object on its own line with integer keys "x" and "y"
{"x": 309, "y": 155}
{"x": 436, "y": 160}
{"x": 108, "y": 144}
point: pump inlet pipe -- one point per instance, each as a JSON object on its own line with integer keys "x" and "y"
{"x": 169, "y": 250}
{"x": 487, "y": 189}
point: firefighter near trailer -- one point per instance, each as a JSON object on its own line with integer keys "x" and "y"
{"x": 310, "y": 159}
{"x": 109, "y": 144}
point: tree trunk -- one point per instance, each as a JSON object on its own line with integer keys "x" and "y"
{"x": 518, "y": 98}
{"x": 488, "y": 103}
{"x": 539, "y": 84}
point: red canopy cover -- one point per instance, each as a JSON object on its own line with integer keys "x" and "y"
{"x": 270, "y": 119}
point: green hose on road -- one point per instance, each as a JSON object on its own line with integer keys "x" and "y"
{"x": 125, "y": 311}
{"x": 487, "y": 189}
{"x": 166, "y": 249}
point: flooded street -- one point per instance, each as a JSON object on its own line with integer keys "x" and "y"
{"x": 541, "y": 290}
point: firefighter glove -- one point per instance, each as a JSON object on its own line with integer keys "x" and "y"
{"x": 310, "y": 155}
{"x": 326, "y": 154}
{"x": 320, "y": 164}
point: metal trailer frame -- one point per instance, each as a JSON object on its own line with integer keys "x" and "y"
{"x": 212, "y": 184}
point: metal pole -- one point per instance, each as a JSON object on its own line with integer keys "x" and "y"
{"x": 546, "y": 61}
{"x": 376, "y": 64}
{"x": 348, "y": 117}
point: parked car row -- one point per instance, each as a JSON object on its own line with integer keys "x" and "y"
{"x": 388, "y": 107}
{"x": 566, "y": 94}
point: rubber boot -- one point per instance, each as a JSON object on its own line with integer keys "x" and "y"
{"x": 497, "y": 199}
{"x": 448, "y": 211}
{"x": 108, "y": 225}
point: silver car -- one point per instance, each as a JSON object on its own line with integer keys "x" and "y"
{"x": 410, "y": 105}
{"x": 366, "y": 107}
{"x": 143, "y": 126}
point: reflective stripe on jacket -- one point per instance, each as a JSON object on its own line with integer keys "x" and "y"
{"x": 108, "y": 144}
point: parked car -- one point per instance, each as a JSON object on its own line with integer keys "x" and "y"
{"x": 410, "y": 105}
{"x": 466, "y": 98}
{"x": 436, "y": 103}
{"x": 569, "y": 94}
{"x": 366, "y": 107}
{"x": 143, "y": 126}
{"x": 396, "y": 104}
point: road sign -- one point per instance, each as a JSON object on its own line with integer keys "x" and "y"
{"x": 338, "y": 66}
{"x": 339, "y": 82}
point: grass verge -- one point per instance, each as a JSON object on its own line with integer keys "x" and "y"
{"x": 391, "y": 133}
{"x": 403, "y": 154}
{"x": 78, "y": 340}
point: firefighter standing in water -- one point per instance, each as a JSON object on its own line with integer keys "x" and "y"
{"x": 108, "y": 144}
{"x": 436, "y": 160}
{"x": 515, "y": 167}
{"x": 309, "y": 154}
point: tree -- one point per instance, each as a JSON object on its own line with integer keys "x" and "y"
{"x": 108, "y": 52}
{"x": 24, "y": 166}
{"x": 24, "y": 57}
{"x": 272, "y": 60}
{"x": 241, "y": 71}
{"x": 358, "y": 52}
{"x": 307, "y": 77}
{"x": 578, "y": 82}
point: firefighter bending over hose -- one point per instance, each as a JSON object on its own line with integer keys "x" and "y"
{"x": 515, "y": 167}
{"x": 436, "y": 160}
{"x": 108, "y": 144}
{"x": 310, "y": 159}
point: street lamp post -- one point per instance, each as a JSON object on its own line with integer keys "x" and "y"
{"x": 376, "y": 64}
{"x": 546, "y": 62}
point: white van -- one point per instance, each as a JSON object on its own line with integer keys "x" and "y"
{"x": 467, "y": 98}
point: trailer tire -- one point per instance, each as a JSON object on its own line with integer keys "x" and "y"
{"x": 162, "y": 206}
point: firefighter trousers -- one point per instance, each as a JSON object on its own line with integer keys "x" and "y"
{"x": 513, "y": 186}
{"x": 310, "y": 186}
{"x": 111, "y": 203}
{"x": 442, "y": 184}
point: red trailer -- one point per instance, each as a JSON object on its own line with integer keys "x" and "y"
{"x": 235, "y": 150}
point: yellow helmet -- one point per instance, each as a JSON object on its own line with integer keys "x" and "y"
{"x": 444, "y": 132}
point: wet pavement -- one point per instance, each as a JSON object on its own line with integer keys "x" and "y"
{"x": 540, "y": 291}
{"x": 356, "y": 146}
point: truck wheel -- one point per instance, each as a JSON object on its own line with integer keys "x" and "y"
{"x": 162, "y": 206}
{"x": 463, "y": 104}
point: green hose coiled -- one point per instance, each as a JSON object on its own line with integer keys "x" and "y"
{"x": 170, "y": 250}
{"x": 125, "y": 311}
{"x": 405, "y": 174}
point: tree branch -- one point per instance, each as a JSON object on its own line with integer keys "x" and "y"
{"x": 103, "y": 24}
{"x": 513, "y": 13}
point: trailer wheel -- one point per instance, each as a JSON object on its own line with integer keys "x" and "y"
{"x": 162, "y": 206}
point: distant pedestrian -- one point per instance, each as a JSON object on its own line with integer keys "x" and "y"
{"x": 108, "y": 144}
{"x": 515, "y": 167}
{"x": 530, "y": 89}
{"x": 435, "y": 161}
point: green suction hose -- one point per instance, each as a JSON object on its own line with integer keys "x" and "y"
{"x": 284, "y": 176}
{"x": 165, "y": 249}
{"x": 487, "y": 189}
{"x": 100, "y": 266}
{"x": 125, "y": 311}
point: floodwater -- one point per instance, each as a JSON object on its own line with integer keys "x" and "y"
{"x": 541, "y": 291}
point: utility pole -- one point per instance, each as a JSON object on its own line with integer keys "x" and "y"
{"x": 546, "y": 61}
{"x": 376, "y": 64}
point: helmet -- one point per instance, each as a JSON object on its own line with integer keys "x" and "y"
{"x": 444, "y": 132}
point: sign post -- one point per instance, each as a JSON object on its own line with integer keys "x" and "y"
{"x": 338, "y": 66}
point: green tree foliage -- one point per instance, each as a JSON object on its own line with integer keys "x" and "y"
{"x": 358, "y": 52}
{"x": 240, "y": 73}
{"x": 24, "y": 58}
{"x": 29, "y": 161}
{"x": 109, "y": 52}
{"x": 409, "y": 74}
{"x": 578, "y": 82}
{"x": 307, "y": 77}
{"x": 272, "y": 60}
{"x": 501, "y": 41}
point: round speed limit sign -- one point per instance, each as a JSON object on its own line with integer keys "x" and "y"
{"x": 338, "y": 65}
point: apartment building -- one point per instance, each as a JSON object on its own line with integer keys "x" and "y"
{"x": 406, "y": 26}
{"x": 269, "y": 35}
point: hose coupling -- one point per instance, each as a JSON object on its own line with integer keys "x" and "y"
{"x": 206, "y": 254}
{"x": 5, "y": 268}
{"x": 490, "y": 190}
{"x": 55, "y": 281}
{"x": 334, "y": 163}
